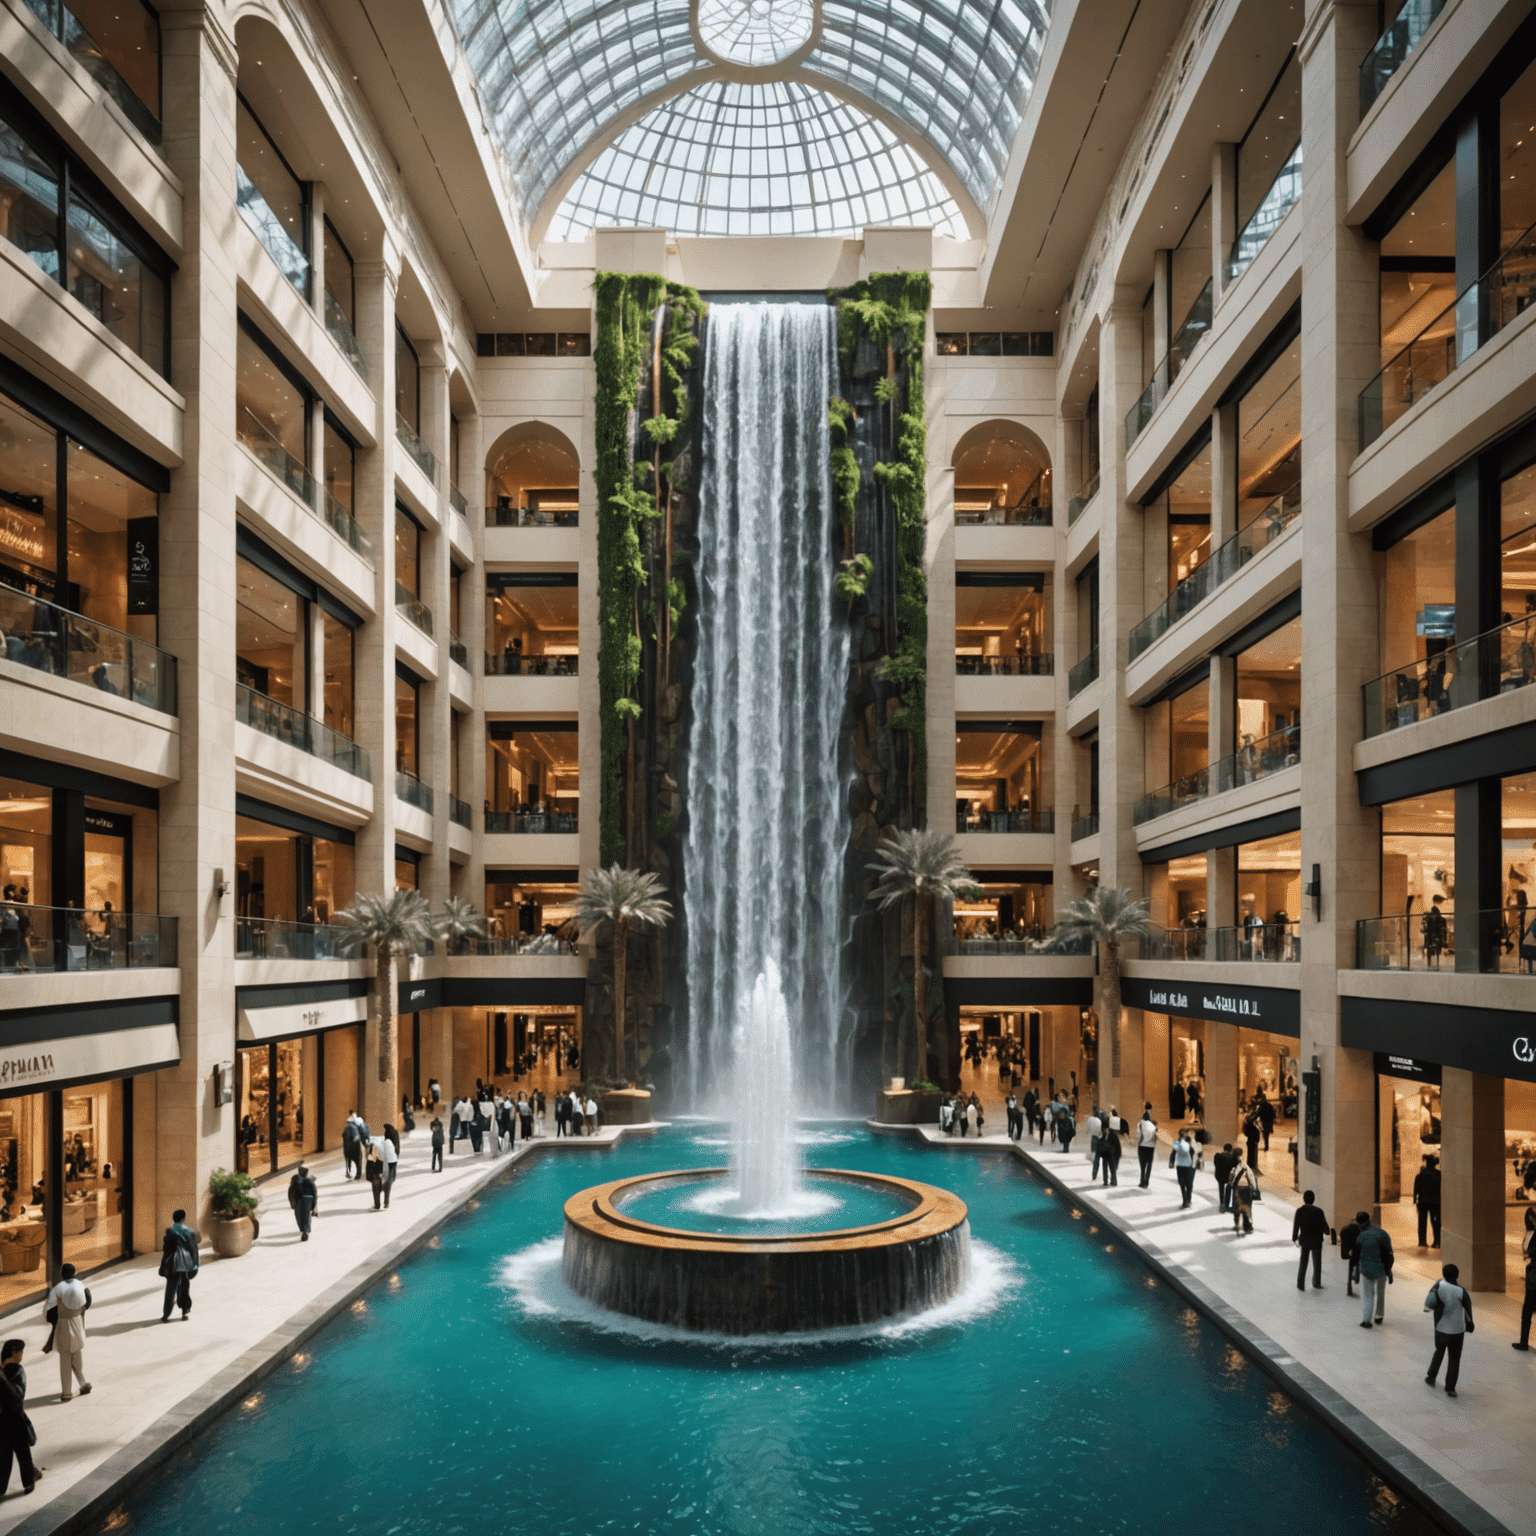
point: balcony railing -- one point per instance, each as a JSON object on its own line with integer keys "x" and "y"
{"x": 70, "y": 939}
{"x": 1026, "y": 514}
{"x": 1196, "y": 323}
{"x": 38, "y": 634}
{"x": 1079, "y": 503}
{"x": 269, "y": 229}
{"x": 341, "y": 332}
{"x": 459, "y": 812}
{"x": 1085, "y": 826}
{"x": 1505, "y": 937}
{"x": 1020, "y": 665}
{"x": 1003, "y": 821}
{"x": 1042, "y": 946}
{"x": 277, "y": 938}
{"x": 264, "y": 446}
{"x": 531, "y": 821}
{"x": 410, "y": 440}
{"x": 284, "y": 723}
{"x": 407, "y": 603}
{"x": 528, "y": 517}
{"x": 1274, "y": 942}
{"x": 410, "y": 789}
{"x": 1283, "y": 195}
{"x": 458, "y": 501}
{"x": 1502, "y": 294}
{"x": 1084, "y": 672}
{"x": 1392, "y": 48}
{"x": 1220, "y": 567}
{"x": 516, "y": 944}
{"x": 85, "y": 50}
{"x": 1256, "y": 760}
{"x": 1501, "y": 661}
{"x": 457, "y": 650}
{"x": 513, "y": 664}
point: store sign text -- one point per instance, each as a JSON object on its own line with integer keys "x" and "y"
{"x": 25, "y": 1069}
{"x": 1168, "y": 999}
{"x": 1523, "y": 1050}
{"x": 1241, "y": 1007}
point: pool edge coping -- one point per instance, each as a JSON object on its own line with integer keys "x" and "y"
{"x": 1381, "y": 1450}
{"x": 91, "y": 1497}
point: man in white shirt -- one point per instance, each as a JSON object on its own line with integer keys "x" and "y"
{"x": 591, "y": 1116}
{"x": 386, "y": 1150}
{"x": 1453, "y": 1322}
{"x": 1095, "y": 1125}
{"x": 1146, "y": 1143}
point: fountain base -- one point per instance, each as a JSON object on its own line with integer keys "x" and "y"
{"x": 785, "y": 1282}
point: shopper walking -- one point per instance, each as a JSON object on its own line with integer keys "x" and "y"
{"x": 1146, "y": 1143}
{"x": 351, "y": 1147}
{"x": 1109, "y": 1154}
{"x": 1182, "y": 1162}
{"x": 1222, "y": 1165}
{"x": 562, "y": 1114}
{"x": 525, "y": 1113}
{"x": 304, "y": 1197}
{"x": 373, "y": 1166}
{"x": 1528, "y": 1309}
{"x": 578, "y": 1115}
{"x": 1309, "y": 1231}
{"x": 1266, "y": 1113}
{"x": 437, "y": 1144}
{"x": 1349, "y": 1251}
{"x": 66, "y": 1306}
{"x": 1066, "y": 1129}
{"x": 1426, "y": 1197}
{"x": 1095, "y": 1125}
{"x": 1374, "y": 1247}
{"x": 435, "y": 1089}
{"x": 17, "y": 1436}
{"x": 1011, "y": 1104}
{"x": 179, "y": 1264}
{"x": 1452, "y": 1306}
{"x": 389, "y": 1155}
{"x": 1242, "y": 1191}
{"x": 1253, "y": 1129}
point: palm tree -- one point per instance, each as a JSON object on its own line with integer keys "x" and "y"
{"x": 621, "y": 898}
{"x": 921, "y": 865}
{"x": 456, "y": 921}
{"x": 395, "y": 925}
{"x": 1104, "y": 916}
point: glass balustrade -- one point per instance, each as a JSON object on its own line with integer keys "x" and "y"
{"x": 409, "y": 439}
{"x": 341, "y": 332}
{"x": 345, "y": 526}
{"x": 1043, "y": 665}
{"x": 269, "y": 229}
{"x": 1283, "y": 195}
{"x": 38, "y": 634}
{"x": 457, "y": 650}
{"x": 1255, "y": 760}
{"x": 1392, "y": 48}
{"x": 459, "y": 812}
{"x": 531, "y": 821}
{"x": 1505, "y": 938}
{"x": 1003, "y": 821}
{"x": 514, "y": 664}
{"x": 1501, "y": 661}
{"x": 1080, "y": 503}
{"x": 1025, "y": 514}
{"x": 410, "y": 789}
{"x": 264, "y": 446}
{"x": 1084, "y": 672}
{"x": 276, "y": 938}
{"x": 1274, "y": 943}
{"x": 1085, "y": 826}
{"x": 458, "y": 501}
{"x": 1219, "y": 567}
{"x": 1196, "y": 323}
{"x": 491, "y": 945}
{"x": 85, "y": 50}
{"x": 41, "y": 939}
{"x": 529, "y": 517}
{"x": 1498, "y": 298}
{"x": 412, "y": 607}
{"x": 284, "y": 723}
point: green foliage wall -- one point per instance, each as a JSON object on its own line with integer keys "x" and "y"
{"x": 630, "y": 495}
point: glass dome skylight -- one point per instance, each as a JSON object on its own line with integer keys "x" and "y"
{"x": 947, "y": 81}
{"x": 773, "y": 159}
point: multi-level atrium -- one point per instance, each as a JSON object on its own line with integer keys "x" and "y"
{"x": 450, "y": 451}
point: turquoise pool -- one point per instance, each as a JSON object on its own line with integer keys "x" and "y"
{"x": 1069, "y": 1390}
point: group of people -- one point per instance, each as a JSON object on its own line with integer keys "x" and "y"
{"x": 963, "y": 1114}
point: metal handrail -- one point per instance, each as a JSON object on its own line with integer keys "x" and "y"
{"x": 284, "y": 723}
{"x": 1253, "y": 761}
{"x": 409, "y": 439}
{"x": 42, "y": 939}
{"x": 1501, "y": 660}
{"x": 1283, "y": 195}
{"x": 1390, "y": 51}
{"x": 411, "y": 789}
{"x": 1193, "y": 327}
{"x": 1504, "y": 939}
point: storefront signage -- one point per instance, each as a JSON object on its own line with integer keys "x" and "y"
{"x": 1408, "y": 1067}
{"x": 143, "y": 565}
{"x": 1419, "y": 1040}
{"x": 1274, "y": 1009}
{"x": 301, "y": 1018}
{"x": 76, "y": 1058}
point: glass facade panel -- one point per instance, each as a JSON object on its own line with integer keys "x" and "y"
{"x": 1189, "y": 717}
{"x": 1269, "y": 444}
{"x": 29, "y": 455}
{"x": 1269, "y": 142}
{"x": 1001, "y": 630}
{"x": 110, "y": 279}
{"x": 1517, "y": 159}
{"x": 1001, "y": 480}
{"x": 407, "y": 381}
{"x": 1518, "y": 871}
{"x": 1418, "y": 271}
{"x": 533, "y": 780}
{"x": 531, "y": 907}
{"x": 1011, "y": 907}
{"x": 531, "y": 630}
{"x": 1517, "y": 565}
{"x": 105, "y": 509}
{"x": 407, "y": 726}
{"x": 1191, "y": 266}
{"x": 1001, "y": 771}
{"x": 26, "y": 864}
{"x": 1186, "y": 896}
{"x": 128, "y": 35}
{"x": 1418, "y": 609}
{"x": 1269, "y": 893}
{"x": 407, "y": 552}
{"x": 338, "y": 675}
{"x": 270, "y": 646}
{"x": 339, "y": 280}
{"x": 29, "y": 200}
{"x": 340, "y": 467}
{"x": 95, "y": 1186}
{"x": 24, "y": 1257}
{"x": 284, "y": 194}
{"x": 1418, "y": 873}
{"x": 271, "y": 411}
{"x": 1186, "y": 506}
{"x": 1269, "y": 690}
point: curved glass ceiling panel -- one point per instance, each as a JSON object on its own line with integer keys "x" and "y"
{"x": 755, "y": 32}
{"x": 773, "y": 159}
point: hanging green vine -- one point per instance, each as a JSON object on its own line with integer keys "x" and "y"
{"x": 891, "y": 308}
{"x": 630, "y": 495}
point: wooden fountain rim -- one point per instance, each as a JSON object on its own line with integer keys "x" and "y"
{"x": 933, "y": 1211}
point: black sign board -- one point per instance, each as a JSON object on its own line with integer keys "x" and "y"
{"x": 143, "y": 565}
{"x": 108, "y": 823}
{"x": 1274, "y": 1009}
{"x": 1312, "y": 1122}
{"x": 1499, "y": 1042}
{"x": 1409, "y": 1067}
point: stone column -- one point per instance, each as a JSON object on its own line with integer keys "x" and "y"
{"x": 1223, "y": 474}
{"x": 1221, "y": 1082}
{"x": 436, "y": 713}
{"x": 1154, "y": 1068}
{"x": 1472, "y": 1182}
{"x": 471, "y": 726}
{"x": 317, "y": 248}
{"x": 193, "y": 1134}
{"x": 1223, "y": 214}
{"x": 1220, "y": 894}
{"x": 1339, "y": 353}
{"x": 1162, "y": 273}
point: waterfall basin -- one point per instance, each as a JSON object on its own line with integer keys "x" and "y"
{"x": 788, "y": 1273}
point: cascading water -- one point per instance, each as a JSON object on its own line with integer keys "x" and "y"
{"x": 765, "y": 1162}
{"x": 768, "y": 819}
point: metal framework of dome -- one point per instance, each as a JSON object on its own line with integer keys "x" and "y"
{"x": 564, "y": 84}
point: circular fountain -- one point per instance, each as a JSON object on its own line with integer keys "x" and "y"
{"x": 761, "y": 1246}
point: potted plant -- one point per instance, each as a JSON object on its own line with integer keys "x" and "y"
{"x": 234, "y": 1203}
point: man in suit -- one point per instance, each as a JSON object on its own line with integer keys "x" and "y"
{"x": 1309, "y": 1231}
{"x": 1426, "y": 1196}
{"x": 16, "y": 1433}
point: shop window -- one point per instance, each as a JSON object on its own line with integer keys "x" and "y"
{"x": 266, "y": 878}
{"x": 1186, "y": 510}
{"x": 29, "y": 452}
{"x": 1517, "y": 573}
{"x": 1408, "y": 1128}
{"x": 536, "y": 480}
{"x": 24, "y": 1256}
{"x": 95, "y": 1186}
{"x": 407, "y": 381}
{"x": 1186, "y": 896}
{"x": 1010, "y": 910}
{"x": 108, "y": 511}
{"x": 1184, "y": 724}
{"x": 1269, "y": 445}
{"x": 532, "y": 777}
{"x": 1002, "y": 624}
{"x": 406, "y": 874}
{"x": 407, "y": 725}
{"x": 1268, "y": 714}
{"x": 279, "y": 1103}
{"x": 339, "y": 640}
{"x": 531, "y": 629}
{"x": 1001, "y": 776}
{"x": 1418, "y": 278}
{"x": 407, "y": 553}
{"x": 1418, "y": 873}
{"x": 1418, "y": 613}
{"x": 26, "y": 864}
{"x": 1517, "y": 159}
{"x": 1000, "y": 478}
{"x": 270, "y": 638}
{"x": 1267, "y": 145}
{"x": 1518, "y": 875}
{"x": 271, "y": 411}
{"x": 530, "y": 909}
{"x": 1269, "y": 896}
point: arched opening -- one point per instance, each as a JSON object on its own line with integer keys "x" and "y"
{"x": 1002, "y": 475}
{"x": 533, "y": 478}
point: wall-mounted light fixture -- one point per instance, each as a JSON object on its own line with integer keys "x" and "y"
{"x": 220, "y": 885}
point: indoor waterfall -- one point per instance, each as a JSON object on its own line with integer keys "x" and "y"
{"x": 768, "y": 820}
